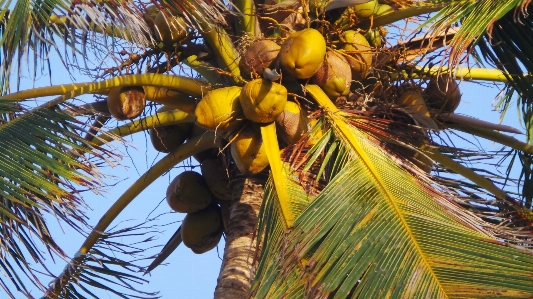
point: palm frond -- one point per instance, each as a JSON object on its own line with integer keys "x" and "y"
{"x": 378, "y": 231}
{"x": 44, "y": 170}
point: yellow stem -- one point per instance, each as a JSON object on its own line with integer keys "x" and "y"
{"x": 203, "y": 68}
{"x": 157, "y": 120}
{"x": 247, "y": 21}
{"x": 464, "y": 73}
{"x": 186, "y": 85}
{"x": 193, "y": 146}
{"x": 405, "y": 13}
{"x": 174, "y": 99}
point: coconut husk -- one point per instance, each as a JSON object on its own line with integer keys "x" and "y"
{"x": 443, "y": 94}
{"x": 188, "y": 193}
{"x": 334, "y": 76}
{"x": 248, "y": 151}
{"x": 126, "y": 102}
{"x": 291, "y": 124}
{"x": 201, "y": 231}
{"x": 216, "y": 177}
{"x": 257, "y": 57}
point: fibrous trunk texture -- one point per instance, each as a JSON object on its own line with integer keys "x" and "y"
{"x": 236, "y": 273}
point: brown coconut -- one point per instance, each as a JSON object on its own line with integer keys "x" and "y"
{"x": 443, "y": 94}
{"x": 201, "y": 231}
{"x": 188, "y": 193}
{"x": 168, "y": 138}
{"x": 216, "y": 178}
{"x": 291, "y": 124}
{"x": 257, "y": 57}
{"x": 126, "y": 102}
{"x": 334, "y": 76}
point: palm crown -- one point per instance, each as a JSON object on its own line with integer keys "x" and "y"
{"x": 323, "y": 122}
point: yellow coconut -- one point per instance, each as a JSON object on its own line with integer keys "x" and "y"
{"x": 357, "y": 52}
{"x": 126, "y": 102}
{"x": 443, "y": 94}
{"x": 168, "y": 138}
{"x": 248, "y": 151}
{"x": 382, "y": 9}
{"x": 216, "y": 178}
{"x": 365, "y": 10}
{"x": 291, "y": 123}
{"x": 262, "y": 100}
{"x": 303, "y": 52}
{"x": 188, "y": 193}
{"x": 257, "y": 57}
{"x": 220, "y": 110}
{"x": 201, "y": 231}
{"x": 169, "y": 29}
{"x": 334, "y": 76}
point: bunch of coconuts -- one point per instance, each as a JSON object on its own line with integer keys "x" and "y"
{"x": 201, "y": 197}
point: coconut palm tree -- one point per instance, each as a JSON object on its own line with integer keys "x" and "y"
{"x": 333, "y": 122}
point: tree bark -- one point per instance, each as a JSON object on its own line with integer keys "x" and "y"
{"x": 236, "y": 273}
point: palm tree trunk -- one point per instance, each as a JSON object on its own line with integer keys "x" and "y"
{"x": 236, "y": 273}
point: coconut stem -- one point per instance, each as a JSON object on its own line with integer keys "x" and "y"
{"x": 157, "y": 120}
{"x": 406, "y": 13}
{"x": 465, "y": 73}
{"x": 203, "y": 68}
{"x": 496, "y": 137}
{"x": 247, "y": 21}
{"x": 186, "y": 85}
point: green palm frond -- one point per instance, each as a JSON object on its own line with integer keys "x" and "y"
{"x": 43, "y": 170}
{"x": 378, "y": 231}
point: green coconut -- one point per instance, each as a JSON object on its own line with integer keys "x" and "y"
{"x": 382, "y": 9}
{"x": 168, "y": 138}
{"x": 248, "y": 151}
{"x": 257, "y": 57}
{"x": 357, "y": 52}
{"x": 216, "y": 178}
{"x": 365, "y": 10}
{"x": 126, "y": 102}
{"x": 302, "y": 53}
{"x": 201, "y": 231}
{"x": 220, "y": 110}
{"x": 262, "y": 100}
{"x": 334, "y": 76}
{"x": 188, "y": 193}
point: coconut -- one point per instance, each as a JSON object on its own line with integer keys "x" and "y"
{"x": 365, "y": 10}
{"x": 414, "y": 101}
{"x": 248, "y": 151}
{"x": 357, "y": 52}
{"x": 291, "y": 123}
{"x": 169, "y": 29}
{"x": 216, "y": 178}
{"x": 220, "y": 110}
{"x": 443, "y": 94}
{"x": 303, "y": 52}
{"x": 188, "y": 193}
{"x": 382, "y": 9}
{"x": 257, "y": 57}
{"x": 149, "y": 14}
{"x": 334, "y": 76}
{"x": 126, "y": 102}
{"x": 168, "y": 138}
{"x": 201, "y": 231}
{"x": 262, "y": 100}
{"x": 373, "y": 37}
